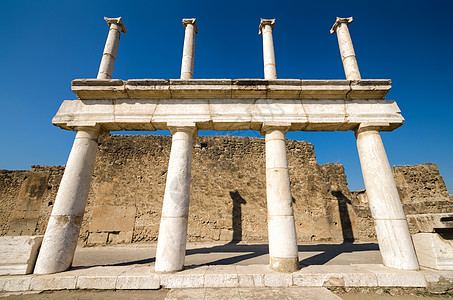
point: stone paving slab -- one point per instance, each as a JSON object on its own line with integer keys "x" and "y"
{"x": 234, "y": 276}
{"x": 252, "y": 293}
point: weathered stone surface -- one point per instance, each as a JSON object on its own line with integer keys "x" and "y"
{"x": 229, "y": 104}
{"x": 228, "y": 199}
{"x": 433, "y": 251}
{"x": 18, "y": 254}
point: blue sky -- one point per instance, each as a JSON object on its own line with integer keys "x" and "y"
{"x": 46, "y": 44}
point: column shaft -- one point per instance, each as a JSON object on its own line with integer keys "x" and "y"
{"x": 188, "y": 53}
{"x": 171, "y": 244}
{"x": 351, "y": 68}
{"x": 270, "y": 70}
{"x": 111, "y": 48}
{"x": 60, "y": 238}
{"x": 283, "y": 251}
{"x": 392, "y": 231}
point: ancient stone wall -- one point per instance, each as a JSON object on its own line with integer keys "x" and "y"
{"x": 228, "y": 193}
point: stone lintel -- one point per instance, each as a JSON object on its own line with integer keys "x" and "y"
{"x": 265, "y": 22}
{"x": 338, "y": 21}
{"x": 98, "y": 89}
{"x": 118, "y": 21}
{"x": 192, "y": 21}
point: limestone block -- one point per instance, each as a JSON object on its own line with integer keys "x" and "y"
{"x": 141, "y": 277}
{"x": 379, "y": 88}
{"x": 15, "y": 283}
{"x": 78, "y": 113}
{"x": 190, "y": 278}
{"x": 99, "y": 88}
{"x": 284, "y": 89}
{"x": 174, "y": 110}
{"x": 107, "y": 218}
{"x": 433, "y": 251}
{"x": 276, "y": 279}
{"x": 231, "y": 117}
{"x": 99, "y": 282}
{"x": 18, "y": 254}
{"x": 326, "y": 89}
{"x": 268, "y": 110}
{"x": 334, "y": 275}
{"x": 148, "y": 88}
{"x": 221, "y": 276}
{"x": 252, "y": 275}
{"x": 97, "y": 238}
{"x": 359, "y": 111}
{"x": 427, "y": 223}
{"x": 202, "y": 89}
{"x": 53, "y": 282}
{"x": 138, "y": 112}
{"x": 324, "y": 114}
{"x": 249, "y": 88}
{"x": 394, "y": 277}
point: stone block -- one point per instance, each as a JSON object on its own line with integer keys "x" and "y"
{"x": 53, "y": 282}
{"x": 112, "y": 218}
{"x": 18, "y": 254}
{"x": 427, "y": 223}
{"x": 221, "y": 276}
{"x": 433, "y": 251}
{"x": 99, "y": 282}
{"x": 394, "y": 277}
{"x": 276, "y": 279}
{"x": 141, "y": 277}
{"x": 97, "y": 238}
{"x": 15, "y": 283}
{"x": 191, "y": 278}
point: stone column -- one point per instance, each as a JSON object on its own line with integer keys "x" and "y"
{"x": 392, "y": 231}
{"x": 283, "y": 251}
{"x": 111, "y": 47}
{"x": 350, "y": 65}
{"x": 266, "y": 27}
{"x": 188, "y": 53}
{"x": 171, "y": 244}
{"x": 60, "y": 238}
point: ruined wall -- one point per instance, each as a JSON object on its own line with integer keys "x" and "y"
{"x": 228, "y": 193}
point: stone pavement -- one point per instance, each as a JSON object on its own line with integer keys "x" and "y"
{"x": 238, "y": 266}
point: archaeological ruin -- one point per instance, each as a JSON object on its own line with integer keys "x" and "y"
{"x": 136, "y": 188}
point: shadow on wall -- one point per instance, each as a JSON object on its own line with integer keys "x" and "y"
{"x": 345, "y": 219}
{"x": 237, "y": 216}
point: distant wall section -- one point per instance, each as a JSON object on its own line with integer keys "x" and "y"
{"x": 228, "y": 193}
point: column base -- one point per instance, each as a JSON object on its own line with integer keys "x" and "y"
{"x": 284, "y": 264}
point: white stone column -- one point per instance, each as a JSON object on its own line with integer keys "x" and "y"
{"x": 351, "y": 68}
{"x": 266, "y": 27}
{"x": 188, "y": 53}
{"x": 171, "y": 244}
{"x": 283, "y": 251}
{"x": 392, "y": 231}
{"x": 60, "y": 238}
{"x": 111, "y": 47}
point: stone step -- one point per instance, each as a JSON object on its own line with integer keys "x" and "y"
{"x": 143, "y": 277}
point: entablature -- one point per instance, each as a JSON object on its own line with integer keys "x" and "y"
{"x": 224, "y": 104}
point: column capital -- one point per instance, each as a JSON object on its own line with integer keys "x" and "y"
{"x": 264, "y": 22}
{"x": 192, "y": 21}
{"x": 377, "y": 126}
{"x": 281, "y": 126}
{"x": 192, "y": 130}
{"x": 338, "y": 22}
{"x": 117, "y": 21}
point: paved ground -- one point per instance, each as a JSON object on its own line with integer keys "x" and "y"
{"x": 241, "y": 254}
{"x": 200, "y": 254}
{"x": 217, "y": 294}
